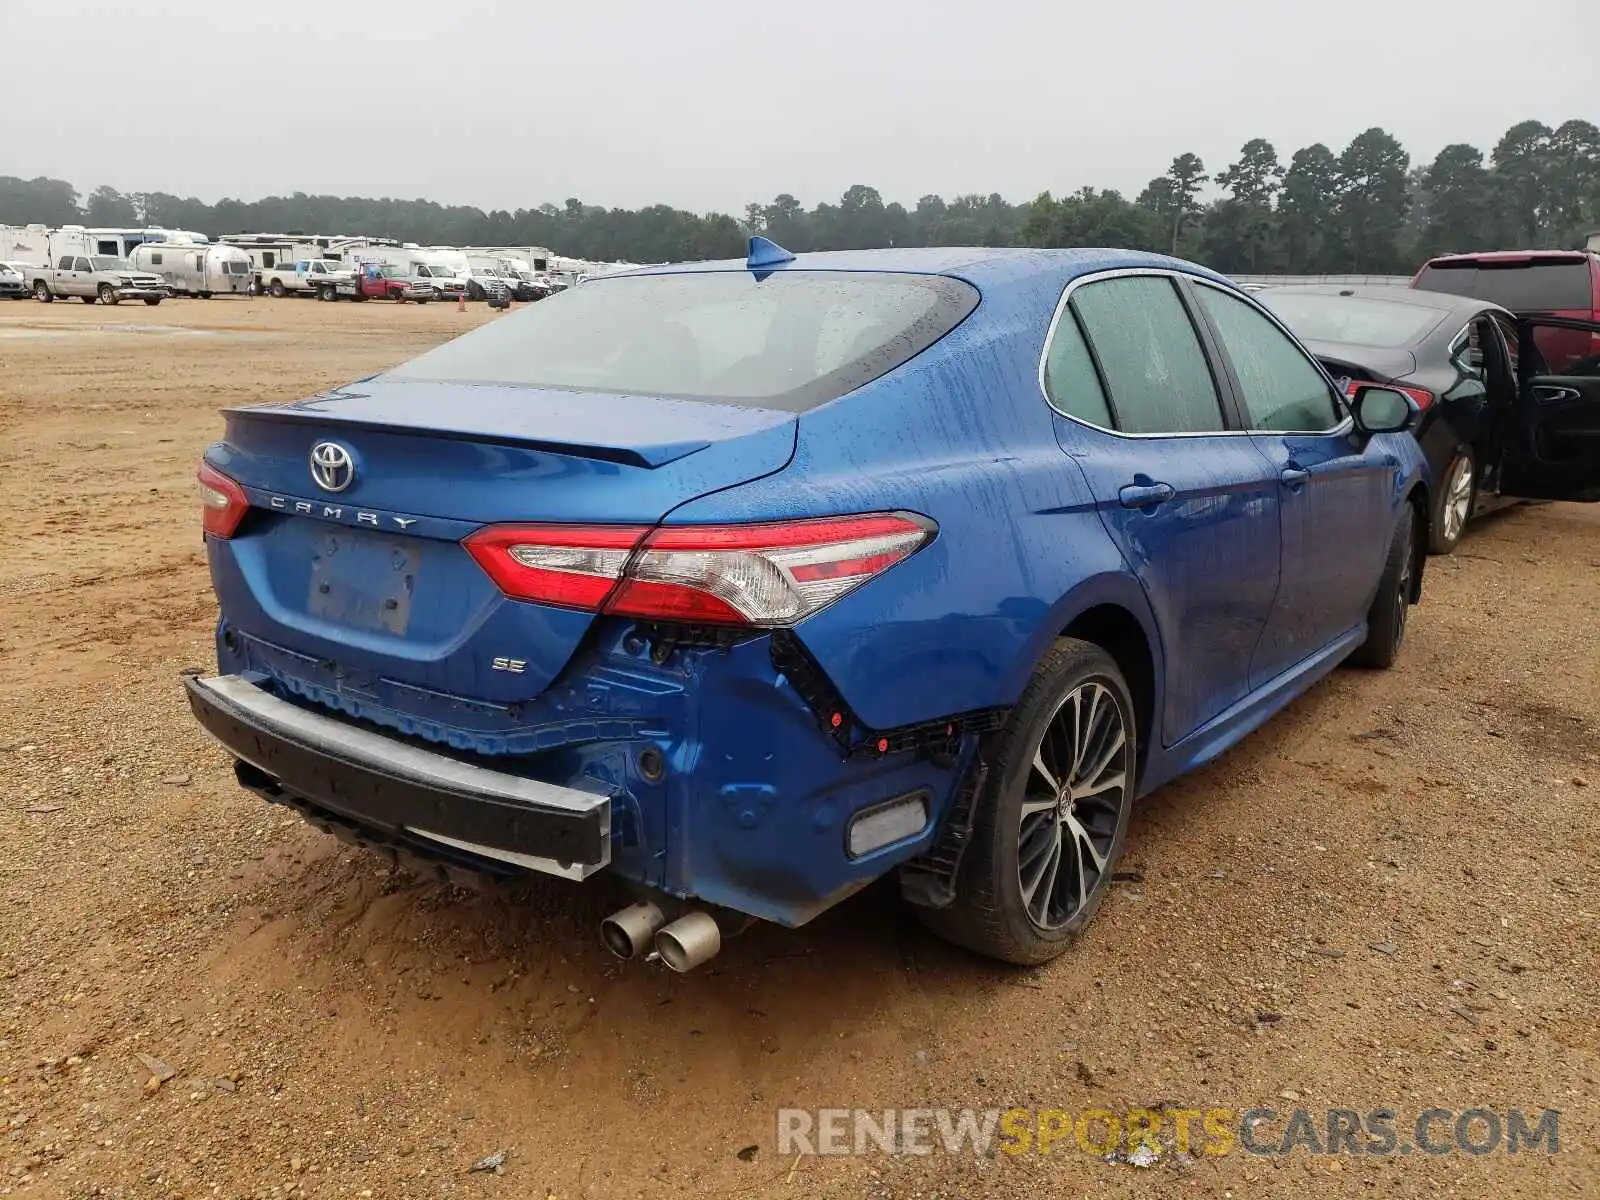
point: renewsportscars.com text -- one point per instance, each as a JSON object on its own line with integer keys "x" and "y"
{"x": 1148, "y": 1131}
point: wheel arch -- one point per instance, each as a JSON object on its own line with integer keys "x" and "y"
{"x": 1110, "y": 611}
{"x": 1419, "y": 498}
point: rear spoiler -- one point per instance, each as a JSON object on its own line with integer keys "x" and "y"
{"x": 634, "y": 454}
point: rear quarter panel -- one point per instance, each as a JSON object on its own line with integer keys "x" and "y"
{"x": 960, "y": 434}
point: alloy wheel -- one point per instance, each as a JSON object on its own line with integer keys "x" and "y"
{"x": 1458, "y": 498}
{"x": 1077, "y": 786}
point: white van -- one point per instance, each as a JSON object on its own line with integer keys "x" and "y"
{"x": 196, "y": 269}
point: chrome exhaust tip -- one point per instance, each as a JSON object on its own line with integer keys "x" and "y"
{"x": 689, "y": 941}
{"x": 629, "y": 932}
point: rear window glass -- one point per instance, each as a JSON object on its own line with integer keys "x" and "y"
{"x": 1520, "y": 286}
{"x": 1353, "y": 320}
{"x": 790, "y": 341}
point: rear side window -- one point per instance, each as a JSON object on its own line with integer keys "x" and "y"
{"x": 789, "y": 341}
{"x": 1071, "y": 382}
{"x": 1282, "y": 389}
{"x": 1534, "y": 285}
{"x": 1156, "y": 373}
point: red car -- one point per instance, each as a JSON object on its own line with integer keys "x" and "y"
{"x": 1557, "y": 283}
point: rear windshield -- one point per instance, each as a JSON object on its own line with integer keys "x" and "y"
{"x": 1533, "y": 286}
{"x": 1353, "y": 320}
{"x": 789, "y": 341}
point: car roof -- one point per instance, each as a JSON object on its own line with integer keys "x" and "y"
{"x": 1541, "y": 256}
{"x": 979, "y": 265}
{"x": 1448, "y": 302}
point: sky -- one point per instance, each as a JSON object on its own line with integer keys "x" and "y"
{"x": 711, "y": 104}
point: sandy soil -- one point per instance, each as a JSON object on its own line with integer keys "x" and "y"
{"x": 339, "y": 1030}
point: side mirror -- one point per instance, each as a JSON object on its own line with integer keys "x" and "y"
{"x": 1379, "y": 409}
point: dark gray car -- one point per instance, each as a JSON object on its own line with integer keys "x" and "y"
{"x": 1468, "y": 363}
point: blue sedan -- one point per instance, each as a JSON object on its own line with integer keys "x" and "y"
{"x": 749, "y": 582}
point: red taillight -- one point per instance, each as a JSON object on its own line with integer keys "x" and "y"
{"x": 1422, "y": 396}
{"x": 222, "y": 502}
{"x": 769, "y": 575}
{"x": 573, "y": 566}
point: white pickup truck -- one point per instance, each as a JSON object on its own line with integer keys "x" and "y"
{"x": 96, "y": 278}
{"x": 317, "y": 276}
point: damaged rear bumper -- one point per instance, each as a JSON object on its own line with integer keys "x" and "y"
{"x": 407, "y": 791}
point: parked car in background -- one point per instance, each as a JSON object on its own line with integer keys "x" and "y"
{"x": 97, "y": 279}
{"x": 1495, "y": 412}
{"x": 380, "y": 281}
{"x": 307, "y": 275}
{"x": 1561, "y": 283}
{"x": 12, "y": 285}
{"x": 752, "y": 581}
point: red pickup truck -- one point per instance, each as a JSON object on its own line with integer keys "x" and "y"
{"x": 379, "y": 281}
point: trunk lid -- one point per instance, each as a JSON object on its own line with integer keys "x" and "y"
{"x": 1374, "y": 364}
{"x": 361, "y": 576}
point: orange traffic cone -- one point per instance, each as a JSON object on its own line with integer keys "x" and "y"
{"x": 461, "y": 302}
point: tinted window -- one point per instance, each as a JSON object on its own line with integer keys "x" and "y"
{"x": 1354, "y": 320}
{"x": 790, "y": 341}
{"x": 1282, "y": 389}
{"x": 65, "y": 264}
{"x": 1154, "y": 367}
{"x": 1530, "y": 286}
{"x": 1070, "y": 380}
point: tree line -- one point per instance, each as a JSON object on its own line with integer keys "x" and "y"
{"x": 1366, "y": 209}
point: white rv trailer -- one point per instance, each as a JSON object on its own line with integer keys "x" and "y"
{"x": 120, "y": 242}
{"x": 293, "y": 246}
{"x": 25, "y": 244}
{"x": 196, "y": 268}
{"x": 31, "y": 243}
{"x": 537, "y": 257}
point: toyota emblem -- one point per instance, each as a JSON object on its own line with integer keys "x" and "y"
{"x": 332, "y": 468}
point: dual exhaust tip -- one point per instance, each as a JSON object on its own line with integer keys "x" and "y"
{"x": 642, "y": 929}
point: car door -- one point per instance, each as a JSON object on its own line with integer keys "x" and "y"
{"x": 82, "y": 277}
{"x": 1184, "y": 495}
{"x": 1337, "y": 498}
{"x": 1553, "y": 448}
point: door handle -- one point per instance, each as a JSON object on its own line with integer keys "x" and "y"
{"x": 1145, "y": 495}
{"x": 1546, "y": 394}
{"x": 1294, "y": 478}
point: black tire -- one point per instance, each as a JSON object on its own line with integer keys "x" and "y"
{"x": 277, "y": 289}
{"x": 1386, "y": 619}
{"x": 991, "y": 911}
{"x": 205, "y": 295}
{"x": 90, "y": 299}
{"x": 327, "y": 292}
{"x": 1448, "y": 521}
{"x": 475, "y": 290}
{"x": 108, "y": 294}
{"x": 152, "y": 301}
{"x": 41, "y": 292}
{"x": 398, "y": 296}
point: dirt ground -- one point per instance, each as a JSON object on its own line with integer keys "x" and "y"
{"x": 1386, "y": 898}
